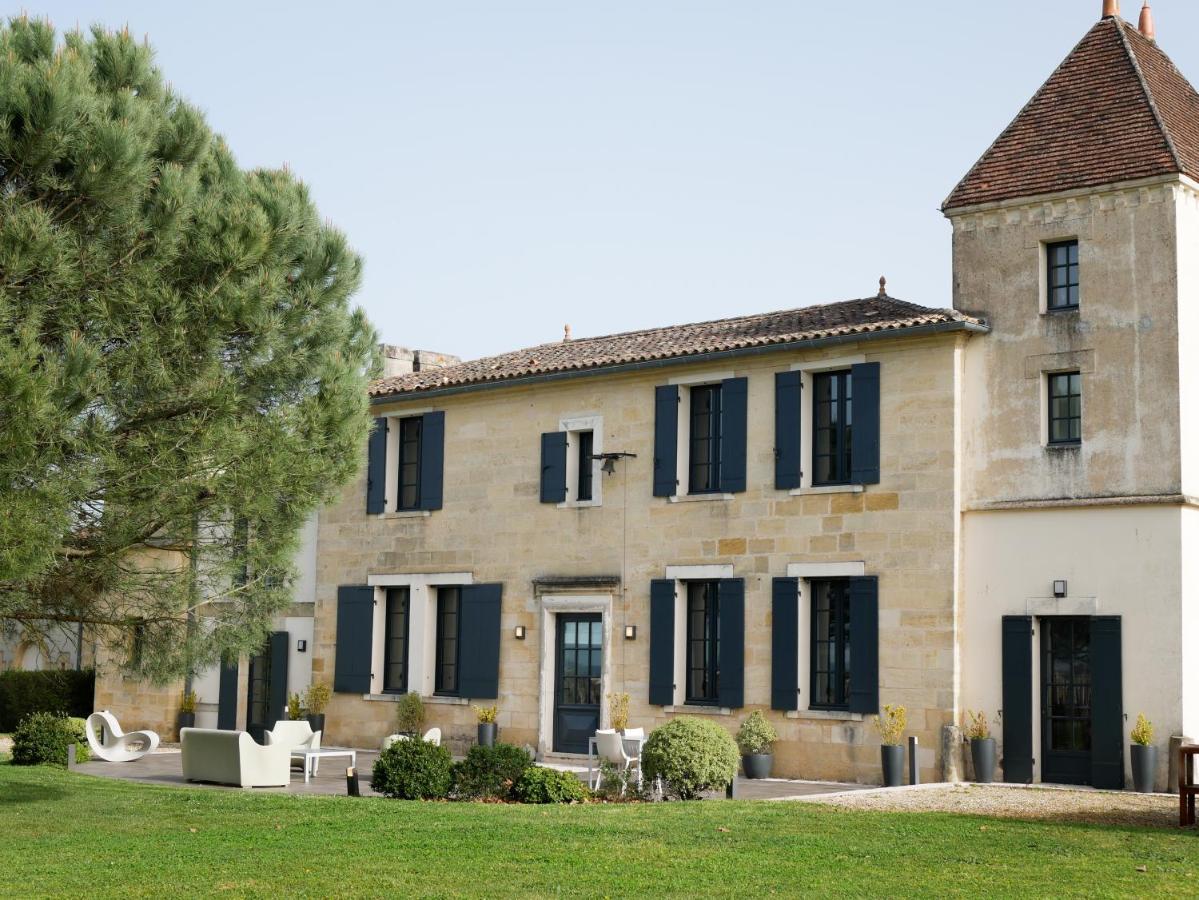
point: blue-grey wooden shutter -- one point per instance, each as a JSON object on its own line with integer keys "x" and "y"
{"x": 661, "y": 642}
{"x": 867, "y": 426}
{"x": 788, "y": 400}
{"x": 226, "y": 709}
{"x": 863, "y": 644}
{"x": 355, "y": 627}
{"x": 784, "y": 644}
{"x": 1107, "y": 704}
{"x": 553, "y": 467}
{"x": 730, "y": 651}
{"x": 734, "y": 423}
{"x": 666, "y": 440}
{"x": 432, "y": 459}
{"x": 376, "y": 468}
{"x": 277, "y": 694}
{"x": 1017, "y": 699}
{"x": 479, "y": 641}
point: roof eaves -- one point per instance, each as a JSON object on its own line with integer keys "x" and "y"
{"x": 964, "y": 323}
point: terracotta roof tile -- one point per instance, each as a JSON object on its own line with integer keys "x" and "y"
{"x": 872, "y": 315}
{"x": 1116, "y": 109}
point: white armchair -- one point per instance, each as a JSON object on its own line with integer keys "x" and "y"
{"x": 232, "y": 757}
{"x": 295, "y": 736}
{"x": 119, "y": 746}
{"x": 432, "y": 736}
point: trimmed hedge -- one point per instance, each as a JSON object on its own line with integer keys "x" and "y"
{"x": 44, "y": 737}
{"x": 61, "y": 691}
{"x": 490, "y": 773}
{"x": 413, "y": 770}
{"x": 692, "y": 756}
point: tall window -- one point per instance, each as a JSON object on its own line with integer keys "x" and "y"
{"x": 703, "y": 641}
{"x": 586, "y": 442}
{"x": 449, "y": 600}
{"x": 830, "y": 644}
{"x": 1062, "y": 268}
{"x": 1065, "y": 408}
{"x": 704, "y": 474}
{"x": 410, "y": 435}
{"x": 395, "y": 646}
{"x": 832, "y": 417}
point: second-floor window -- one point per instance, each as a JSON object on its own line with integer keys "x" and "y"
{"x": 410, "y": 441}
{"x": 704, "y": 471}
{"x": 1065, "y": 408}
{"x": 395, "y": 647}
{"x": 445, "y": 680}
{"x": 586, "y": 465}
{"x": 1061, "y": 265}
{"x": 703, "y": 642}
{"x": 832, "y": 419}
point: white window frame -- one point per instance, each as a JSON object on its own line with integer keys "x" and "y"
{"x": 680, "y": 575}
{"x": 573, "y": 426}
{"x": 807, "y": 437}
{"x": 391, "y": 484}
{"x": 806, "y": 573}
{"x": 422, "y": 629}
{"x": 685, "y": 383}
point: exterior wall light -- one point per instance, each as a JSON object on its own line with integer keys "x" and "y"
{"x": 520, "y": 632}
{"x": 1059, "y": 589}
{"x": 301, "y": 646}
{"x": 630, "y": 632}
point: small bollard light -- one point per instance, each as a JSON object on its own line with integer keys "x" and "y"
{"x": 913, "y": 768}
{"x": 730, "y": 792}
{"x": 352, "y": 789}
{"x": 71, "y": 751}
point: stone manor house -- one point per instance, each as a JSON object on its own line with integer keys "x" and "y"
{"x": 818, "y": 511}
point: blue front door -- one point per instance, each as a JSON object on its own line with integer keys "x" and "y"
{"x": 577, "y": 691}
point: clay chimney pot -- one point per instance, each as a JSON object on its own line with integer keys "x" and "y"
{"x": 1146, "y": 26}
{"x": 1111, "y": 8}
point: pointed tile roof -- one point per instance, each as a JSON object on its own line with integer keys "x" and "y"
{"x": 1117, "y": 109}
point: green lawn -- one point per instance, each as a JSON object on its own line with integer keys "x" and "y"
{"x": 77, "y": 835}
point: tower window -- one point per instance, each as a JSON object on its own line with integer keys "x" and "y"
{"x": 1062, "y": 269}
{"x": 1065, "y": 408}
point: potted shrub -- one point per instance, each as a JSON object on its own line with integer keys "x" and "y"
{"x": 618, "y": 711}
{"x": 1144, "y": 756}
{"x": 316, "y": 698}
{"x": 187, "y": 710}
{"x": 755, "y": 740}
{"x": 982, "y": 746}
{"x": 891, "y": 725}
{"x": 295, "y": 708}
{"x": 410, "y": 714}
{"x": 487, "y": 728}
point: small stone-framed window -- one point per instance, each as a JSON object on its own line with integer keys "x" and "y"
{"x": 1061, "y": 271}
{"x": 1065, "y": 408}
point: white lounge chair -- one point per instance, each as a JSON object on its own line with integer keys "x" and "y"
{"x": 432, "y": 736}
{"x": 119, "y": 746}
{"x": 610, "y": 747}
{"x": 297, "y": 735}
{"x": 232, "y": 757}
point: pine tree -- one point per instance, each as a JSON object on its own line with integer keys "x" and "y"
{"x": 182, "y": 377}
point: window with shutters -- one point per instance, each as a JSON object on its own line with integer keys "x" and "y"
{"x": 585, "y": 465}
{"x": 409, "y": 453}
{"x": 449, "y": 600}
{"x": 830, "y": 653}
{"x": 570, "y": 472}
{"x": 395, "y": 647}
{"x": 704, "y": 437}
{"x": 832, "y": 419}
{"x": 703, "y": 642}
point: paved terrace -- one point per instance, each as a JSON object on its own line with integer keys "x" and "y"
{"x": 165, "y": 766}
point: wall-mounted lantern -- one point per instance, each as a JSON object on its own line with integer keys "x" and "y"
{"x": 1059, "y": 589}
{"x": 630, "y": 632}
{"x": 301, "y": 646}
{"x": 520, "y": 632}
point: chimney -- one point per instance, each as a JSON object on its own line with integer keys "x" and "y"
{"x": 1111, "y": 8}
{"x": 1146, "y": 26}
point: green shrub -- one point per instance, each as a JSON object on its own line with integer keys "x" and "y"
{"x": 413, "y": 770}
{"x": 489, "y": 773}
{"x": 541, "y": 785}
{"x": 756, "y": 734}
{"x": 691, "y": 756}
{"x": 65, "y": 691}
{"x": 410, "y": 713}
{"x": 43, "y": 737}
{"x": 620, "y": 785}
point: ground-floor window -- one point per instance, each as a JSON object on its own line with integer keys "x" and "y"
{"x": 449, "y": 600}
{"x": 395, "y": 647}
{"x": 830, "y": 644}
{"x": 703, "y": 639}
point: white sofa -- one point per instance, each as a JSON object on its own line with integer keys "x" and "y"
{"x": 233, "y": 757}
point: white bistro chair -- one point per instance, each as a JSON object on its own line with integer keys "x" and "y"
{"x": 432, "y": 736}
{"x": 610, "y": 747}
{"x": 119, "y": 747}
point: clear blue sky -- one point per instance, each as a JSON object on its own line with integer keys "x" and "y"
{"x": 507, "y": 166}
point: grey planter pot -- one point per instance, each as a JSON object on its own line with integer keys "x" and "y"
{"x": 757, "y": 765}
{"x": 982, "y": 754}
{"x": 892, "y": 766}
{"x": 487, "y": 732}
{"x": 187, "y": 720}
{"x": 316, "y": 721}
{"x": 1144, "y": 768}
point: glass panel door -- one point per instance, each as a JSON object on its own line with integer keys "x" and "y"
{"x": 1066, "y": 700}
{"x": 578, "y": 686}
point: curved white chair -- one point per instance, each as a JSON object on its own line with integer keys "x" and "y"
{"x": 120, "y": 747}
{"x": 297, "y": 735}
{"x": 432, "y": 736}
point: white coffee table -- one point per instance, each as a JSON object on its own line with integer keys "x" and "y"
{"x": 312, "y": 758}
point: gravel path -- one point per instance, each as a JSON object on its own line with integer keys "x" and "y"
{"x": 1032, "y": 803}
